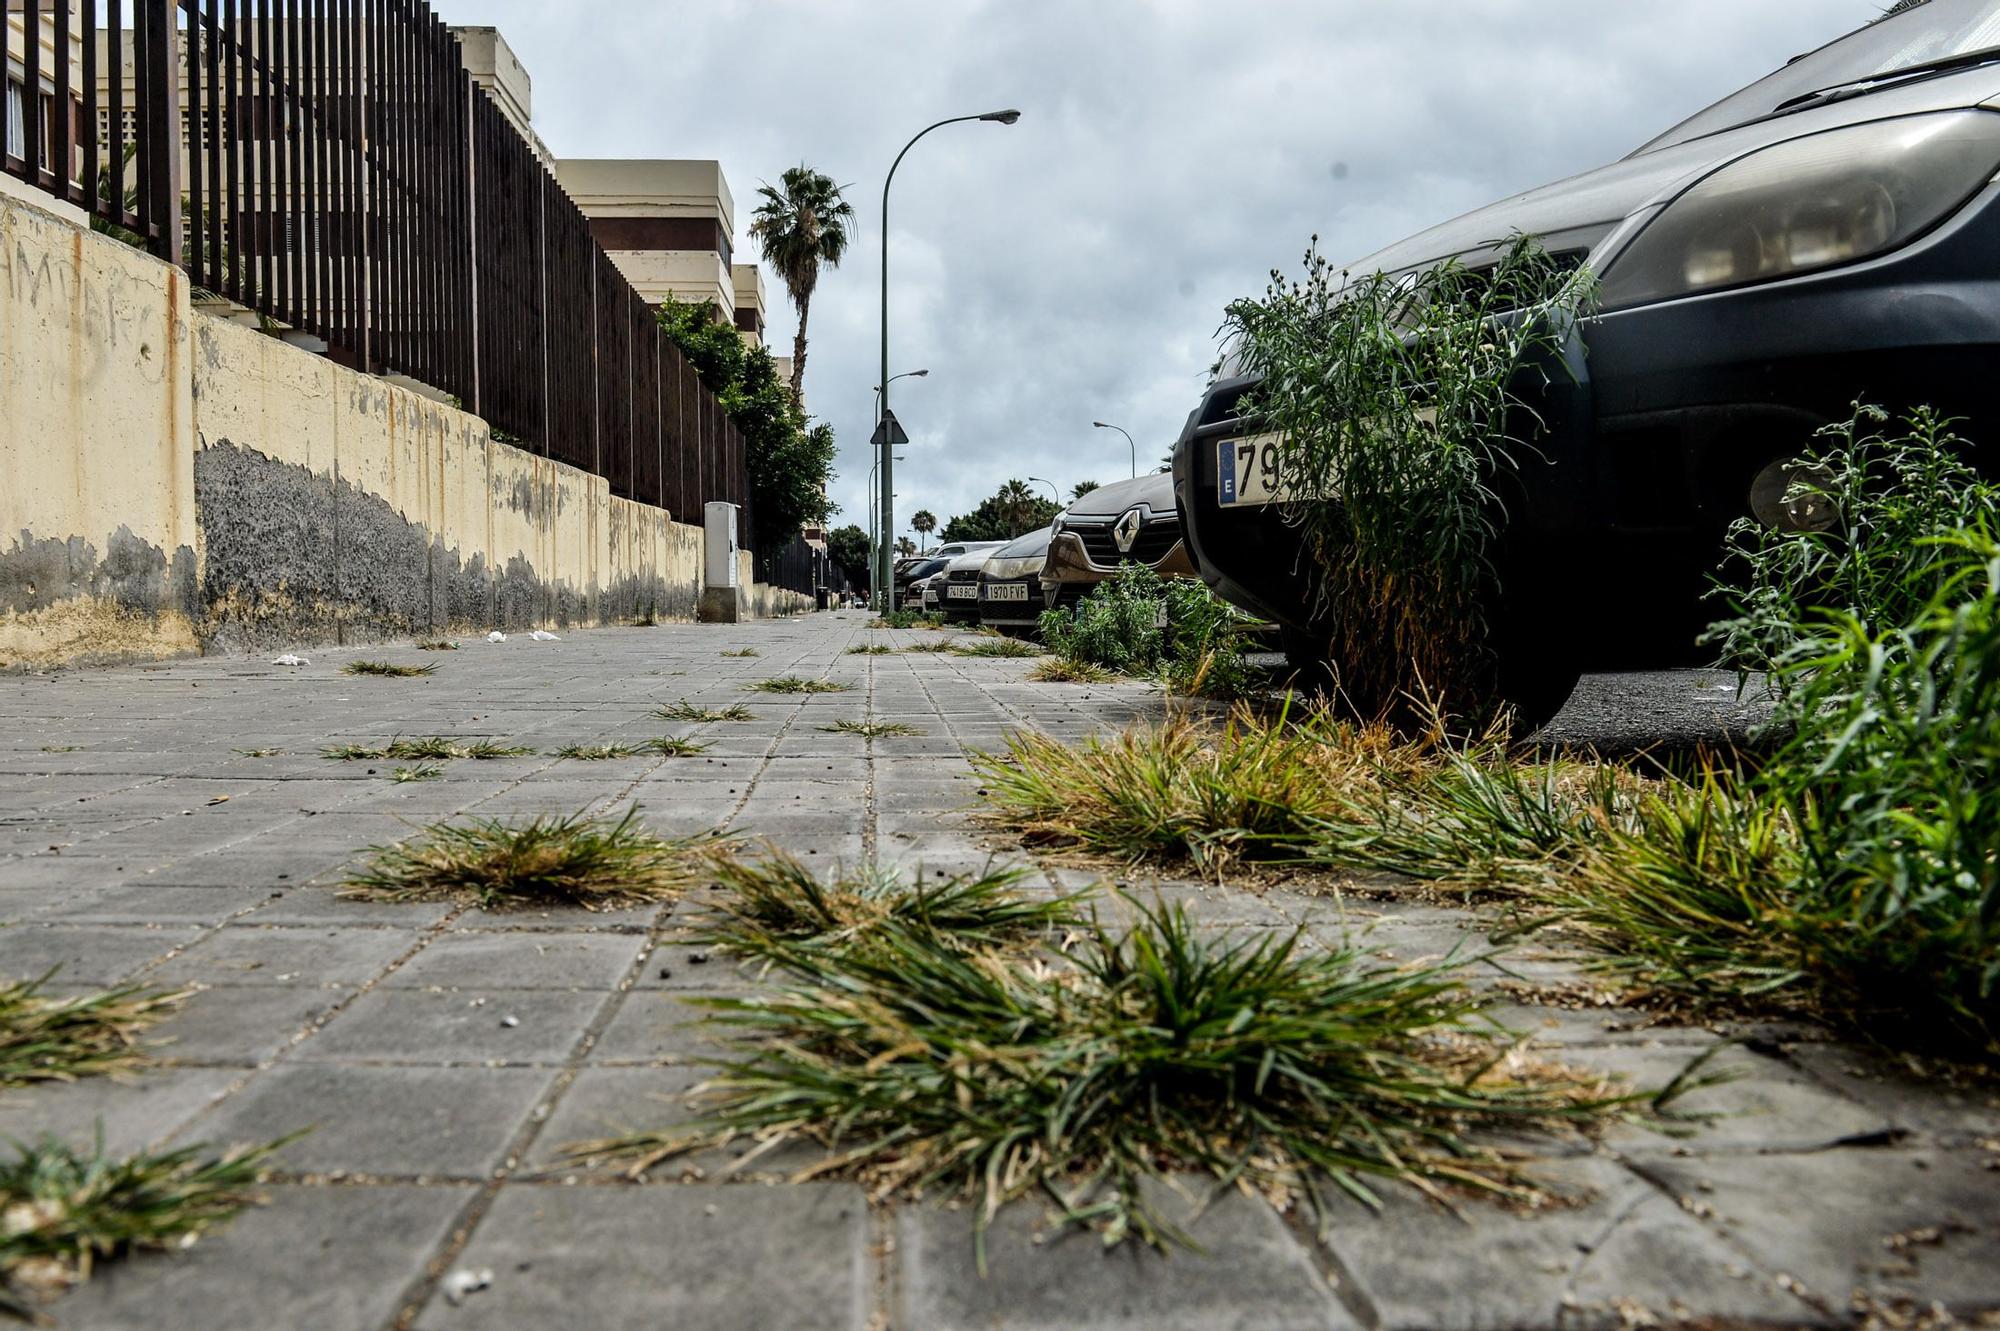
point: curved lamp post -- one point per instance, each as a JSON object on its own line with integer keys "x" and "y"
{"x": 1052, "y": 488}
{"x": 886, "y": 522}
{"x": 1101, "y": 425}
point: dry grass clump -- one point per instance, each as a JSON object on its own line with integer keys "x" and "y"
{"x": 934, "y": 645}
{"x": 1260, "y": 788}
{"x": 872, "y": 649}
{"x": 387, "y": 669}
{"x": 996, "y": 646}
{"x": 66, "y": 1211}
{"x": 437, "y": 645}
{"x": 1087, "y": 1075}
{"x": 871, "y": 729}
{"x": 687, "y": 711}
{"x": 798, "y": 684}
{"x": 424, "y": 748}
{"x": 776, "y": 905}
{"x": 575, "y": 860}
{"x": 486, "y": 748}
{"x": 1063, "y": 670}
{"x": 744, "y": 652}
{"x": 421, "y": 772}
{"x": 48, "y": 1038}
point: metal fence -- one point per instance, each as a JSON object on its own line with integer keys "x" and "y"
{"x": 798, "y": 566}
{"x": 331, "y": 165}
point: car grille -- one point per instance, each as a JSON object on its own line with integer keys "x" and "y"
{"x": 963, "y": 575}
{"x": 1156, "y": 537}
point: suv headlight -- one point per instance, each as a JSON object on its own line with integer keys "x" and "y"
{"x": 1006, "y": 570}
{"x": 1809, "y": 203}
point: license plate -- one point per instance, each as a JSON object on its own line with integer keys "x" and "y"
{"x": 1248, "y": 472}
{"x": 962, "y": 591}
{"x": 1006, "y": 591}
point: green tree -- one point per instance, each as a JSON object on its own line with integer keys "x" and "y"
{"x": 1082, "y": 488}
{"x": 905, "y": 546}
{"x": 1013, "y": 510}
{"x": 848, "y": 547}
{"x": 923, "y": 522}
{"x": 789, "y": 462}
{"x": 801, "y": 225}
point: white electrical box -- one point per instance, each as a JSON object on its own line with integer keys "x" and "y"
{"x": 719, "y": 526}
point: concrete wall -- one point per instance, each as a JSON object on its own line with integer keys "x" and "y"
{"x": 177, "y": 482}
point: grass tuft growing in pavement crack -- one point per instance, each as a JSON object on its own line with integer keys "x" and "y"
{"x": 687, "y": 711}
{"x": 673, "y": 746}
{"x": 572, "y": 860}
{"x": 871, "y": 729}
{"x": 744, "y": 651}
{"x": 421, "y": 772}
{"x": 437, "y": 645}
{"x": 598, "y": 752}
{"x": 61, "y": 1038}
{"x": 777, "y": 909}
{"x": 1088, "y": 1075}
{"x": 66, "y": 1211}
{"x": 872, "y": 649}
{"x": 486, "y": 748}
{"x": 389, "y": 669}
{"x": 798, "y": 684}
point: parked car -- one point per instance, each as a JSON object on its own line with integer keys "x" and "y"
{"x": 1010, "y": 585}
{"x": 910, "y": 573}
{"x": 1126, "y": 522}
{"x": 1829, "y": 233}
{"x": 958, "y": 586}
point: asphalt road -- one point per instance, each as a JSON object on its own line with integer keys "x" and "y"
{"x": 1674, "y": 709}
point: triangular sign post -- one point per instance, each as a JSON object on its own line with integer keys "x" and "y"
{"x": 889, "y": 431}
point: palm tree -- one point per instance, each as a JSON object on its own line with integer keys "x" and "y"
{"x": 1017, "y": 502}
{"x": 905, "y": 546}
{"x": 800, "y": 226}
{"x": 1081, "y": 488}
{"x": 924, "y": 522}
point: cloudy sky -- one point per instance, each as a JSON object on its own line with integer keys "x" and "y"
{"x": 1074, "y": 267}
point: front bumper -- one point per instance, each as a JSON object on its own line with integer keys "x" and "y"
{"x": 959, "y": 609}
{"x": 1665, "y": 414}
{"x": 1070, "y": 572}
{"x": 1026, "y": 613}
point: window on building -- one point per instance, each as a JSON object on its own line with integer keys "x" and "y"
{"x": 17, "y": 140}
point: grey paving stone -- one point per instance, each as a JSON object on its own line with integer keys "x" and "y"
{"x": 1252, "y": 1274}
{"x": 154, "y": 903}
{"x": 1937, "y": 1109}
{"x": 656, "y": 1026}
{"x": 523, "y": 960}
{"x": 456, "y": 1026}
{"x": 315, "y": 956}
{"x": 1767, "y": 1105}
{"x": 87, "y": 953}
{"x": 399, "y": 1121}
{"x": 1615, "y": 1246}
{"x": 328, "y": 1259}
{"x": 134, "y": 1112}
{"x": 1915, "y": 1226}
{"x": 608, "y": 1102}
{"x": 241, "y": 1025}
{"x": 695, "y": 1258}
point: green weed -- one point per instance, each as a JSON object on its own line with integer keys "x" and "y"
{"x": 687, "y": 711}
{"x": 598, "y": 752}
{"x": 387, "y": 669}
{"x": 871, "y": 729}
{"x": 61, "y": 1038}
{"x": 798, "y": 684}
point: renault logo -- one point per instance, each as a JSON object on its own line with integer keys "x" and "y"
{"x": 1126, "y": 531}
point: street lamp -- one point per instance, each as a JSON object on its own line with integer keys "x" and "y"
{"x": 1128, "y": 439}
{"x": 1052, "y": 488}
{"x": 886, "y": 522}
{"x": 874, "y": 503}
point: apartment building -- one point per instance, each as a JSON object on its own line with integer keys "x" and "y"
{"x": 50, "y": 66}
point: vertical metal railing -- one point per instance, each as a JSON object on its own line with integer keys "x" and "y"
{"x": 330, "y": 165}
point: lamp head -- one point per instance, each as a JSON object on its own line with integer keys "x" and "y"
{"x": 919, "y": 374}
{"x": 1100, "y": 425}
{"x": 1006, "y": 117}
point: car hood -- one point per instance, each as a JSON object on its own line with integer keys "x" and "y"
{"x": 1584, "y": 211}
{"x": 1110, "y": 501}
{"x": 1024, "y": 547}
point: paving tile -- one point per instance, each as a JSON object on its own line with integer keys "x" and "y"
{"x": 241, "y": 1025}
{"x": 1614, "y": 1243}
{"x": 87, "y": 953}
{"x": 1897, "y": 1225}
{"x": 329, "y": 1259}
{"x": 133, "y": 1112}
{"x": 524, "y": 960}
{"x": 400, "y": 1121}
{"x": 1251, "y": 1273}
{"x": 313, "y": 956}
{"x": 695, "y": 1258}
{"x": 456, "y": 1026}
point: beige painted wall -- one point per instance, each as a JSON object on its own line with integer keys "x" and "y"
{"x": 113, "y": 388}
{"x": 96, "y": 446}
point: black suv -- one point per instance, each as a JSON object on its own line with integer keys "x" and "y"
{"x": 1827, "y": 234}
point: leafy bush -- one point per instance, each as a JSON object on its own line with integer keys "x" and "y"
{"x": 1882, "y": 497}
{"x": 1404, "y": 407}
{"x": 1136, "y": 622}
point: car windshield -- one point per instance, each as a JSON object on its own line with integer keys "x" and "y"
{"x": 1923, "y": 35}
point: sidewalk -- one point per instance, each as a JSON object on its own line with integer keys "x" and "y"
{"x": 139, "y": 842}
